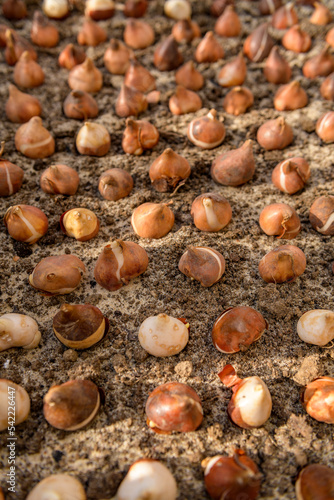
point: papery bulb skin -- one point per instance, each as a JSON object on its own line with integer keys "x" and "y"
{"x": 14, "y": 10}
{"x": 79, "y": 223}
{"x": 138, "y": 136}
{"x": 56, "y": 9}
{"x": 93, "y": 139}
{"x": 11, "y": 176}
{"x": 258, "y": 44}
{"x": 321, "y": 15}
{"x": 275, "y": 134}
{"x": 57, "y": 275}
{"x": 28, "y": 73}
{"x": 281, "y": 220}
{"x": 283, "y": 264}
{"x": 117, "y": 57}
{"x": 152, "y": 220}
{"x": 163, "y": 335}
{"x": 284, "y": 17}
{"x": 99, "y": 9}
{"x": 167, "y": 55}
{"x": 60, "y": 179}
{"x": 21, "y": 107}
{"x": 322, "y": 215}
{"x": 185, "y": 31}
{"x": 233, "y": 73}
{"x": 209, "y": 49}
{"x": 238, "y": 100}
{"x": 119, "y": 263}
{"x": 206, "y": 132}
{"x": 26, "y": 223}
{"x": 18, "y": 330}
{"x": 189, "y": 77}
{"x": 85, "y": 77}
{"x": 327, "y": 88}
{"x": 317, "y": 400}
{"x": 267, "y": 7}
{"x": 139, "y": 77}
{"x": 168, "y": 171}
{"x": 33, "y": 140}
{"x": 234, "y": 167}
{"x": 237, "y": 328}
{"x": 290, "y": 96}
{"x": 211, "y": 212}
{"x": 321, "y": 64}
{"x": 138, "y": 34}
{"x": 325, "y": 127}
{"x": 91, "y": 34}
{"x": 291, "y": 175}
{"x": 202, "y": 264}
{"x": 43, "y": 33}
{"x": 184, "y": 101}
{"x": 16, "y": 45}
{"x": 58, "y": 485}
{"x": 228, "y": 24}
{"x": 130, "y": 102}
{"x": 297, "y": 40}
{"x": 135, "y": 8}
{"x": 80, "y": 105}
{"x": 277, "y": 69}
{"x": 174, "y": 407}
{"x": 115, "y": 184}
{"x": 315, "y": 481}
{"x": 71, "y": 56}
{"x": 316, "y": 327}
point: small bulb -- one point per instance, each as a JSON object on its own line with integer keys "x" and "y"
{"x": 167, "y": 55}
{"x": 281, "y": 220}
{"x": 209, "y": 49}
{"x": 315, "y": 481}
{"x": 206, "y": 132}
{"x": 211, "y": 212}
{"x": 277, "y": 69}
{"x": 317, "y": 400}
{"x": 322, "y": 215}
{"x": 59, "y": 179}
{"x": 33, "y": 140}
{"x": 202, "y": 264}
{"x": 115, "y": 184}
{"x": 275, "y": 134}
{"x": 85, "y": 77}
{"x": 152, "y": 220}
{"x": 55, "y": 9}
{"x": 27, "y": 72}
{"x": 291, "y": 175}
{"x": 20, "y": 107}
{"x": 297, "y": 40}
{"x": 138, "y": 34}
{"x": 189, "y": 77}
{"x": 11, "y": 176}
{"x": 233, "y": 73}
{"x": 235, "y": 167}
{"x": 91, "y": 34}
{"x": 325, "y": 127}
{"x": 117, "y": 57}
{"x": 258, "y": 44}
{"x": 238, "y": 100}
{"x": 228, "y": 24}
{"x": 99, "y": 9}
{"x": 284, "y": 17}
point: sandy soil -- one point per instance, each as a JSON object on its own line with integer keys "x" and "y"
{"x": 100, "y": 454}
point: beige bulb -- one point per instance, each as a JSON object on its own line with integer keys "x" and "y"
{"x": 10, "y": 392}
{"x": 58, "y": 487}
{"x": 18, "y": 330}
{"x": 163, "y": 335}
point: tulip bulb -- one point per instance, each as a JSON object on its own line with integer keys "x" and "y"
{"x": 139, "y": 77}
{"x": 16, "y": 45}
{"x": 80, "y": 223}
{"x": 71, "y": 56}
{"x": 327, "y": 88}
{"x": 43, "y": 33}
{"x": 211, "y": 212}
{"x": 117, "y": 57}
{"x": 277, "y": 69}
{"x": 115, "y": 184}
{"x": 317, "y": 399}
{"x": 18, "y": 330}
{"x": 99, "y": 9}
{"x": 33, "y": 140}
{"x": 291, "y": 175}
{"x": 316, "y": 327}
{"x": 11, "y": 176}
{"x": 56, "y": 9}
{"x": 189, "y": 77}
{"x": 167, "y": 55}
{"x": 275, "y": 134}
{"x": 163, "y": 335}
{"x": 322, "y": 215}
{"x": 281, "y": 220}
{"x": 177, "y": 9}
{"x": 206, "y": 132}
{"x": 330, "y": 37}
{"x": 138, "y": 136}
{"x": 135, "y": 8}
{"x": 228, "y": 24}
{"x": 21, "y": 107}
{"x": 80, "y": 105}
{"x": 284, "y": 17}
{"x": 315, "y": 481}
{"x": 184, "y": 101}
{"x": 22, "y": 403}
{"x": 238, "y": 100}
{"x": 130, "y": 102}
{"x": 57, "y": 275}
{"x": 93, "y": 139}
{"x": 152, "y": 220}
{"x": 209, "y": 49}
{"x": 91, "y": 34}
{"x": 233, "y": 73}
{"x": 284, "y": 264}
{"x": 290, "y": 96}
{"x": 138, "y": 34}
{"x": 185, "y": 31}
{"x": 321, "y": 15}
{"x": 26, "y": 223}
{"x": 169, "y": 171}
{"x": 58, "y": 486}
{"x": 202, "y": 264}
{"x": 258, "y": 44}
{"x": 325, "y": 127}
{"x": 14, "y": 9}
{"x": 267, "y": 7}
{"x": 27, "y": 72}
{"x": 297, "y": 40}
{"x": 234, "y": 167}
{"x": 60, "y": 179}
{"x": 218, "y": 7}
{"x": 320, "y": 65}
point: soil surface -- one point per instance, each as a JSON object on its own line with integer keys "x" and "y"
{"x": 100, "y": 454}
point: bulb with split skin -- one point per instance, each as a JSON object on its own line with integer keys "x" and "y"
{"x": 322, "y": 215}
{"x": 11, "y": 176}
{"x": 206, "y": 132}
{"x": 22, "y": 403}
{"x": 26, "y": 223}
{"x": 58, "y": 486}
{"x": 281, "y": 220}
{"x": 60, "y": 179}
{"x": 258, "y": 44}
{"x": 138, "y": 136}
{"x": 211, "y": 212}
{"x": 18, "y": 330}
{"x": 291, "y": 175}
{"x": 93, "y": 139}
{"x": 202, "y": 264}
{"x": 169, "y": 171}
{"x": 33, "y": 140}
{"x": 235, "y": 167}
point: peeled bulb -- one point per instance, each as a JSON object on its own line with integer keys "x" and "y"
{"x": 22, "y": 403}
{"x": 163, "y": 335}
{"x": 21, "y": 107}
{"x": 149, "y": 479}
{"x": 18, "y": 330}
{"x": 316, "y": 327}
{"x": 317, "y": 400}
{"x": 177, "y": 9}
{"x": 80, "y": 223}
{"x": 206, "y": 132}
{"x": 56, "y": 9}
{"x": 58, "y": 486}
{"x": 234, "y": 167}
{"x": 93, "y": 139}
{"x": 33, "y": 140}
{"x": 26, "y": 223}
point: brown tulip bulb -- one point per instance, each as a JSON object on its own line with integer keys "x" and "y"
{"x": 258, "y": 44}
{"x": 316, "y": 482}
{"x": 99, "y": 9}
{"x": 27, "y": 72}
{"x": 93, "y": 139}
{"x": 21, "y": 107}
{"x": 325, "y": 127}
{"x": 169, "y": 171}
{"x": 275, "y": 134}
{"x": 80, "y": 105}
{"x": 277, "y": 69}
{"x": 11, "y": 176}
{"x": 138, "y": 34}
{"x": 291, "y": 175}
{"x": 283, "y": 264}
{"x": 152, "y": 220}
{"x": 228, "y": 24}
{"x": 184, "y": 101}
{"x": 174, "y": 407}
{"x": 91, "y": 34}
{"x": 218, "y": 7}
{"x": 117, "y": 57}
{"x": 206, "y": 132}
{"x": 135, "y": 8}
{"x": 119, "y": 263}
{"x": 16, "y": 45}
{"x": 185, "y": 30}
{"x": 322, "y": 215}
{"x": 320, "y": 65}
{"x": 211, "y": 212}
{"x": 250, "y": 405}
{"x": 167, "y": 55}
{"x": 237, "y": 328}
{"x": 115, "y": 184}
{"x": 60, "y": 179}
{"x": 130, "y": 102}
{"x": 233, "y": 477}
{"x": 138, "y": 136}
{"x": 234, "y": 167}
{"x": 57, "y": 275}
{"x": 209, "y": 49}
{"x": 233, "y": 73}
{"x": 281, "y": 220}
{"x": 79, "y": 326}
{"x": 85, "y": 77}
{"x": 71, "y": 56}
{"x": 139, "y": 77}
{"x": 72, "y": 405}
{"x": 321, "y": 15}
{"x": 79, "y": 223}
{"x": 284, "y": 17}
{"x": 202, "y": 264}
{"x": 327, "y": 88}
{"x": 189, "y": 77}
{"x": 43, "y": 33}
{"x": 238, "y": 100}
{"x": 3, "y": 29}
{"x": 33, "y": 140}
{"x": 317, "y": 400}
{"x": 297, "y": 40}
{"x": 330, "y": 37}
{"x": 14, "y": 9}
{"x": 26, "y": 223}
{"x": 267, "y": 7}
{"x": 290, "y": 96}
